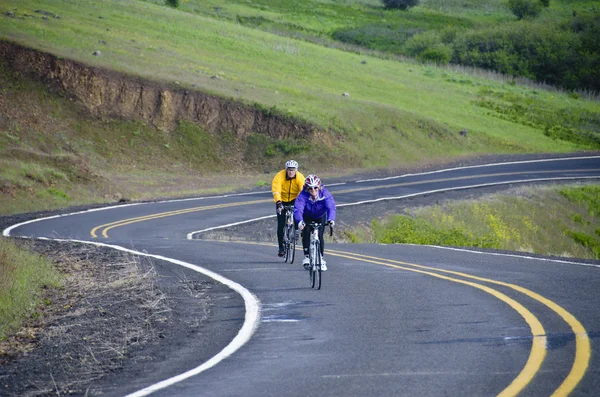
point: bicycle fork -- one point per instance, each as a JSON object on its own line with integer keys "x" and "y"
{"x": 314, "y": 241}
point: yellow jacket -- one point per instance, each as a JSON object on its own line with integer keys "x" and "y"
{"x": 285, "y": 189}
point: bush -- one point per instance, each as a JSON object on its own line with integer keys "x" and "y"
{"x": 173, "y": 3}
{"x": 377, "y": 37}
{"x": 428, "y": 47}
{"x": 525, "y": 8}
{"x": 537, "y": 51}
{"x": 545, "y": 3}
{"x": 400, "y": 4}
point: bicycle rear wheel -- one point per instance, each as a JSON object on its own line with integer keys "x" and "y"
{"x": 288, "y": 239}
{"x": 286, "y": 243}
{"x": 292, "y": 247}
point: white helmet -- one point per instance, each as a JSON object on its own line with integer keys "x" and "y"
{"x": 312, "y": 181}
{"x": 291, "y": 164}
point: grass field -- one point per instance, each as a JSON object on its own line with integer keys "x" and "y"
{"x": 397, "y": 113}
{"x": 391, "y": 105}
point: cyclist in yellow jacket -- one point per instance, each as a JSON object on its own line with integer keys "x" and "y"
{"x": 286, "y": 186}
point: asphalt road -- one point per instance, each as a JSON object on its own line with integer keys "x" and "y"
{"x": 390, "y": 320}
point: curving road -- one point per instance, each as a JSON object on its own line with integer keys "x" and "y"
{"x": 390, "y": 319}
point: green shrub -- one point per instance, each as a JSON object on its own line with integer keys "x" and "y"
{"x": 377, "y": 37}
{"x": 400, "y": 4}
{"x": 173, "y": 3}
{"x": 428, "y": 47}
{"x": 525, "y": 8}
{"x": 545, "y": 3}
{"x": 541, "y": 52}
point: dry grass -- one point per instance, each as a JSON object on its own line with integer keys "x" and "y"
{"x": 87, "y": 328}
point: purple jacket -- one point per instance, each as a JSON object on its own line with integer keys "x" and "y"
{"x": 325, "y": 204}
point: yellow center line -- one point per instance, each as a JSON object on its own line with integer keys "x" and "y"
{"x": 538, "y": 347}
{"x": 582, "y": 342}
{"x": 107, "y": 226}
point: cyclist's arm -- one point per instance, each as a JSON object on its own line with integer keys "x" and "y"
{"x": 299, "y": 205}
{"x": 276, "y": 185}
{"x": 329, "y": 205}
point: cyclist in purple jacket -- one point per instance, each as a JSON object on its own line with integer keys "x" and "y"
{"x": 314, "y": 204}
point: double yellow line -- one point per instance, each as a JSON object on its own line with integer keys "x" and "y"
{"x": 107, "y": 226}
{"x": 538, "y": 350}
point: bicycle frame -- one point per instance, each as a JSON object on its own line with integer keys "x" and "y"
{"x": 315, "y": 258}
{"x": 314, "y": 271}
{"x": 289, "y": 215}
{"x": 314, "y": 246}
{"x": 289, "y": 234}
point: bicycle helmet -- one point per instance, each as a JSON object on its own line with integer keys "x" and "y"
{"x": 291, "y": 164}
{"x": 312, "y": 181}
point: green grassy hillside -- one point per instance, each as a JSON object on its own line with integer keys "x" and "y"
{"x": 395, "y": 114}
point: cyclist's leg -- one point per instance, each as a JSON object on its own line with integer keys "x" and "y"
{"x": 280, "y": 226}
{"x": 306, "y": 241}
{"x": 322, "y": 243}
{"x": 306, "y": 235}
{"x": 321, "y": 230}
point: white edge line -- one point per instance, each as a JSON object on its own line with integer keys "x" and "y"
{"x": 468, "y": 187}
{"x": 478, "y": 166}
{"x": 510, "y": 255}
{"x": 7, "y": 231}
{"x": 251, "y": 320}
{"x": 190, "y": 235}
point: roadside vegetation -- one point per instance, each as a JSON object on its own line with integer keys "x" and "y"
{"x": 73, "y": 313}
{"x": 551, "y": 220}
{"x": 23, "y": 277}
{"x": 374, "y": 110}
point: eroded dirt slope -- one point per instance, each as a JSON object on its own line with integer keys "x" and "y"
{"x": 108, "y": 93}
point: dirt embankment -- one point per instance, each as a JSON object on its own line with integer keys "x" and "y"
{"x": 110, "y": 94}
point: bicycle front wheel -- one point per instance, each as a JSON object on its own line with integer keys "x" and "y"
{"x": 318, "y": 274}
{"x": 312, "y": 268}
{"x": 315, "y": 268}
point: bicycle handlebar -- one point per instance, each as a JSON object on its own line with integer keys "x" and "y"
{"x": 315, "y": 225}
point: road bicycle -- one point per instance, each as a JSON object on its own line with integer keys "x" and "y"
{"x": 314, "y": 270}
{"x": 289, "y": 234}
